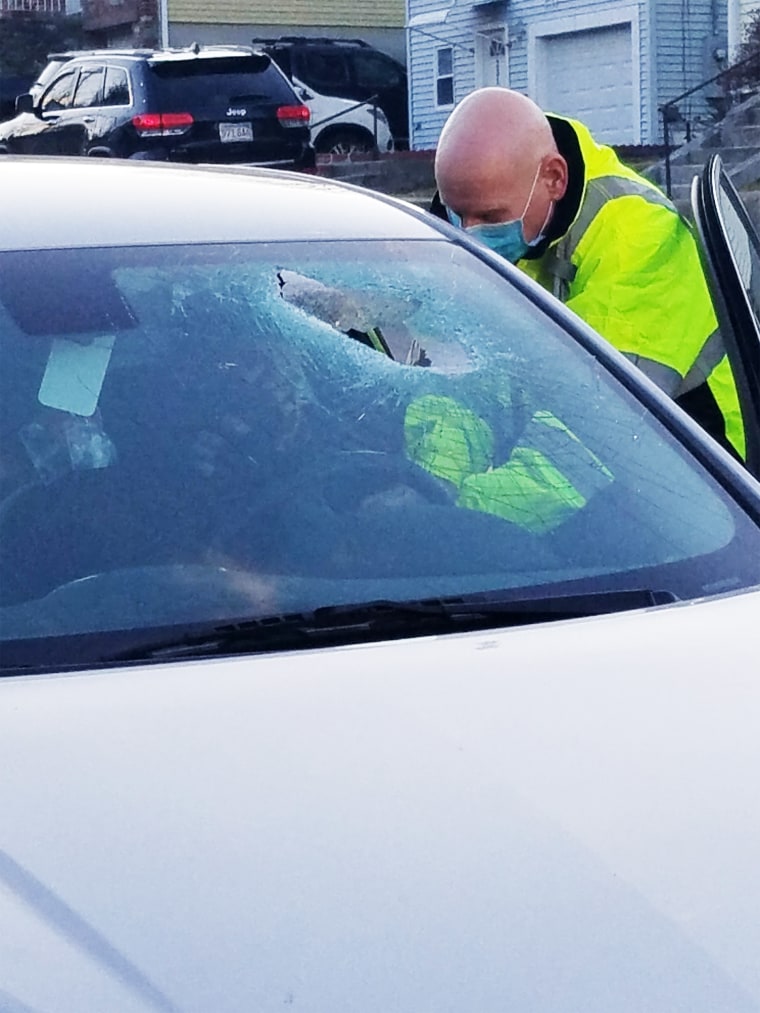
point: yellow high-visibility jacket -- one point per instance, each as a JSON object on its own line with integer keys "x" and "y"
{"x": 629, "y": 266}
{"x": 548, "y": 477}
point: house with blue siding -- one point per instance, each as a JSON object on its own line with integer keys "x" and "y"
{"x": 378, "y": 22}
{"x": 610, "y": 63}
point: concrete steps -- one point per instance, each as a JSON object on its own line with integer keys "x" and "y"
{"x": 736, "y": 139}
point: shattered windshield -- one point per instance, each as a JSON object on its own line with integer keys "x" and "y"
{"x": 196, "y": 433}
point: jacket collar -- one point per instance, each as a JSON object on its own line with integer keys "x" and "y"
{"x": 566, "y": 209}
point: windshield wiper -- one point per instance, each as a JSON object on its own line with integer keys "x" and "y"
{"x": 332, "y": 625}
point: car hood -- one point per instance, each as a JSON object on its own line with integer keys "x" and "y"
{"x": 563, "y": 817}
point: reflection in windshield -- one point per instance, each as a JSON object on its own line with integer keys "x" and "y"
{"x": 195, "y": 434}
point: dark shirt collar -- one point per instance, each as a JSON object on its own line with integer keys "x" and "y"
{"x": 566, "y": 208}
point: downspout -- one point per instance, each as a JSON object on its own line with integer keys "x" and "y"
{"x": 734, "y": 30}
{"x": 409, "y": 75}
{"x": 163, "y": 24}
{"x": 653, "y": 84}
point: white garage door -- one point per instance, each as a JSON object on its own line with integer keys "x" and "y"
{"x": 589, "y": 75}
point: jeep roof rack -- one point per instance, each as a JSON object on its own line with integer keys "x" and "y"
{"x": 321, "y": 39}
{"x": 194, "y": 48}
{"x": 73, "y": 54}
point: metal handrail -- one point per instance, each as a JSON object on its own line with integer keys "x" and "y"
{"x": 371, "y": 101}
{"x": 671, "y": 103}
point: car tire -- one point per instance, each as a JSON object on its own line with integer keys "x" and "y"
{"x": 345, "y": 141}
{"x": 100, "y": 153}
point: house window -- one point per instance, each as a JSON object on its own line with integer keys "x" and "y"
{"x": 444, "y": 77}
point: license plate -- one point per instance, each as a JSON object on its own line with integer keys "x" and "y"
{"x": 231, "y": 132}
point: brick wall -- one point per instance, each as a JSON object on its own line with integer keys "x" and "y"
{"x": 398, "y": 172}
{"x": 98, "y": 15}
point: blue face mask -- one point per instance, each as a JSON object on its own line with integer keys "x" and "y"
{"x": 505, "y": 238}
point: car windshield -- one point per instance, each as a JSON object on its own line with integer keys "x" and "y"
{"x": 210, "y": 433}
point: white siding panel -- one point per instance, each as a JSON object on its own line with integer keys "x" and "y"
{"x": 455, "y": 30}
{"x": 684, "y": 57}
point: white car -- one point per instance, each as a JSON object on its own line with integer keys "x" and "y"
{"x": 342, "y": 126}
{"x": 288, "y": 721}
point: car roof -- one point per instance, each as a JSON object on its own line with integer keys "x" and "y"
{"x": 78, "y": 202}
{"x": 313, "y": 40}
{"x": 321, "y": 42}
{"x": 75, "y": 54}
{"x": 194, "y": 51}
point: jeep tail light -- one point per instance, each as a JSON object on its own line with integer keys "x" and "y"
{"x": 294, "y": 116}
{"x": 162, "y": 124}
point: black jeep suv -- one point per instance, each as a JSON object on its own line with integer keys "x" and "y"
{"x": 346, "y": 68}
{"x": 219, "y": 104}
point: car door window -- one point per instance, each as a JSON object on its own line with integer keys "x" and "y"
{"x": 323, "y": 70}
{"x": 116, "y": 90}
{"x": 90, "y": 88}
{"x": 373, "y": 71}
{"x": 731, "y": 250}
{"x": 59, "y": 94}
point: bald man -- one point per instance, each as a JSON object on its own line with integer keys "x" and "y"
{"x": 538, "y": 190}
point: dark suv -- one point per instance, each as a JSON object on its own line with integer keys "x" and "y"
{"x": 346, "y": 68}
{"x": 219, "y": 104}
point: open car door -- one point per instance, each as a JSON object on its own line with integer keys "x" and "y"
{"x": 731, "y": 257}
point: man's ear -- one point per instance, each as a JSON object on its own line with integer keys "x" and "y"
{"x": 554, "y": 172}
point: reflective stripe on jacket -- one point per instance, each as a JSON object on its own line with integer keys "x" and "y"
{"x": 629, "y": 266}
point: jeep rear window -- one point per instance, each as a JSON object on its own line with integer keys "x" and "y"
{"x": 192, "y": 83}
{"x": 282, "y": 58}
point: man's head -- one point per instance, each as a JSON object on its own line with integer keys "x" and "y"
{"x": 497, "y": 162}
